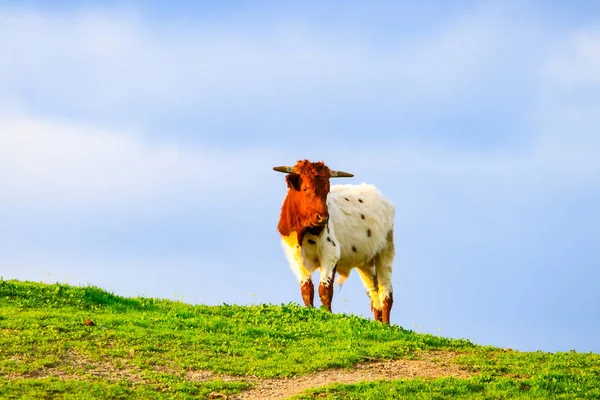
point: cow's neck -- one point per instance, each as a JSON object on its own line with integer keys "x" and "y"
{"x": 314, "y": 230}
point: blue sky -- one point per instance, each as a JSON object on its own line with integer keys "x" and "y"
{"x": 137, "y": 141}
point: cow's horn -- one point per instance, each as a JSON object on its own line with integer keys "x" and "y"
{"x": 284, "y": 169}
{"x": 341, "y": 174}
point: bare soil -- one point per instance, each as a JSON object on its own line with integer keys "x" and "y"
{"x": 432, "y": 365}
{"x": 429, "y": 365}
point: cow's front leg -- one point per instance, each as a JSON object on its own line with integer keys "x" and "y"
{"x": 326, "y": 286}
{"x": 308, "y": 292}
{"x": 302, "y": 271}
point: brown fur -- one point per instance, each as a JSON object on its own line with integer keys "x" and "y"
{"x": 306, "y": 198}
{"x": 376, "y": 314}
{"x": 308, "y": 293}
{"x": 326, "y": 291}
{"x": 386, "y": 308}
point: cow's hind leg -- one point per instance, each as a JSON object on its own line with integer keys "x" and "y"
{"x": 368, "y": 276}
{"x": 383, "y": 266}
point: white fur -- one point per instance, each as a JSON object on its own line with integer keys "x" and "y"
{"x": 374, "y": 254}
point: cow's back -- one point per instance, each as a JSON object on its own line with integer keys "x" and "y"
{"x": 362, "y": 219}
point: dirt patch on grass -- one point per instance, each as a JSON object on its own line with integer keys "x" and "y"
{"x": 77, "y": 366}
{"x": 430, "y": 365}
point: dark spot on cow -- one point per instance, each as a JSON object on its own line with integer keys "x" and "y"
{"x": 327, "y": 228}
{"x": 333, "y": 243}
{"x": 314, "y": 230}
{"x": 368, "y": 232}
{"x": 345, "y": 198}
{"x": 354, "y": 249}
{"x": 311, "y": 241}
{"x": 360, "y": 200}
{"x": 328, "y": 239}
{"x": 362, "y": 216}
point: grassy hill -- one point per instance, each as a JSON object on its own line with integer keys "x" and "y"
{"x": 64, "y": 341}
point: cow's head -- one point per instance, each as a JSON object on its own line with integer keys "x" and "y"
{"x": 305, "y": 205}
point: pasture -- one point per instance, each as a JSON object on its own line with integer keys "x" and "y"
{"x": 62, "y": 341}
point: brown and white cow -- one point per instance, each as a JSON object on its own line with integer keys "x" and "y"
{"x": 335, "y": 229}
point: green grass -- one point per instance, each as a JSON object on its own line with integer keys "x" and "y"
{"x": 148, "y": 348}
{"x": 474, "y": 388}
{"x": 512, "y": 375}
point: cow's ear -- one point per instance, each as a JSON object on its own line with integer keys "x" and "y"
{"x": 293, "y": 181}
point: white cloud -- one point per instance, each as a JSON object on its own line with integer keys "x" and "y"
{"x": 576, "y": 60}
{"x": 566, "y": 116}
{"x": 116, "y": 63}
{"x": 49, "y": 162}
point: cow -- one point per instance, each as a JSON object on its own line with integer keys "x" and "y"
{"x": 335, "y": 229}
